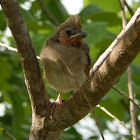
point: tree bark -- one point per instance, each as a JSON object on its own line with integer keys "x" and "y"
{"x": 76, "y": 107}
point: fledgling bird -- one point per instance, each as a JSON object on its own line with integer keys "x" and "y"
{"x": 66, "y": 45}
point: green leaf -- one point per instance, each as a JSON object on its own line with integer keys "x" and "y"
{"x": 39, "y": 40}
{"x": 137, "y": 60}
{"x": 110, "y": 18}
{"x": 136, "y": 72}
{"x": 94, "y": 13}
{"x": 122, "y": 85}
{"x": 0, "y": 124}
{"x": 2, "y": 21}
{"x": 90, "y": 10}
{"x": 21, "y": 1}
{"x": 96, "y": 32}
{"x": 98, "y": 38}
{"x": 56, "y": 9}
{"x": 36, "y": 27}
{"x": 5, "y": 73}
{"x": 27, "y": 15}
{"x": 136, "y": 80}
{"x": 107, "y": 5}
{"x": 35, "y": 9}
{"x": 1, "y": 131}
{"x": 115, "y": 108}
{"x": 71, "y": 134}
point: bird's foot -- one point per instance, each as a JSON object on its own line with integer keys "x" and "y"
{"x": 55, "y": 104}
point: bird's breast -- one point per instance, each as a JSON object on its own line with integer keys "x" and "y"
{"x": 56, "y": 62}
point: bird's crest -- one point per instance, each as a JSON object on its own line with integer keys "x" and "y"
{"x": 72, "y": 21}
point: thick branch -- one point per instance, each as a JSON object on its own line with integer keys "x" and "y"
{"x": 27, "y": 56}
{"x": 114, "y": 66}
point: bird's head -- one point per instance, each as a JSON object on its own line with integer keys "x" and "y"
{"x": 70, "y": 32}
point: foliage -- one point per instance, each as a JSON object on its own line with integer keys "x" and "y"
{"x": 102, "y": 22}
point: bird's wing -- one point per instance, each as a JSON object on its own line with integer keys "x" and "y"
{"x": 85, "y": 47}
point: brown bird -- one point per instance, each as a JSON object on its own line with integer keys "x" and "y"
{"x": 66, "y": 50}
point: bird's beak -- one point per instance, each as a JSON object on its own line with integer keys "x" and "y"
{"x": 79, "y": 35}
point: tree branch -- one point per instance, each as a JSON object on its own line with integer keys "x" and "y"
{"x": 104, "y": 56}
{"x": 85, "y": 96}
{"x": 132, "y": 107}
{"x": 13, "y": 49}
{"x": 110, "y": 71}
{"x": 112, "y": 116}
{"x": 129, "y": 73}
{"x": 76, "y": 107}
{"x": 122, "y": 93}
{"x": 27, "y": 56}
{"x": 122, "y": 5}
{"x": 129, "y": 8}
{"x": 9, "y": 135}
{"x": 8, "y": 47}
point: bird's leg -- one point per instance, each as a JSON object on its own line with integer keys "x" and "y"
{"x": 56, "y": 103}
{"x": 58, "y": 100}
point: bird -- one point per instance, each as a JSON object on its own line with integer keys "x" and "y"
{"x": 64, "y": 50}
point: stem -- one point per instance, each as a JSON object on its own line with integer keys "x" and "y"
{"x": 9, "y": 135}
{"x": 122, "y": 5}
{"x": 129, "y": 9}
{"x": 112, "y": 116}
{"x": 13, "y": 49}
{"x": 132, "y": 107}
{"x": 125, "y": 95}
{"x": 129, "y": 73}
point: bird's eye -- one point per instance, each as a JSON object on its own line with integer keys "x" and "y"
{"x": 68, "y": 32}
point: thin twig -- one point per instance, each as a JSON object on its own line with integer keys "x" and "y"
{"x": 112, "y": 116}
{"x": 129, "y": 73}
{"x": 97, "y": 123}
{"x": 9, "y": 135}
{"x": 47, "y": 12}
{"x": 85, "y": 96}
{"x": 129, "y": 9}
{"x": 8, "y": 47}
{"x": 125, "y": 95}
{"x": 122, "y": 5}
{"x": 132, "y": 107}
{"x": 13, "y": 49}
